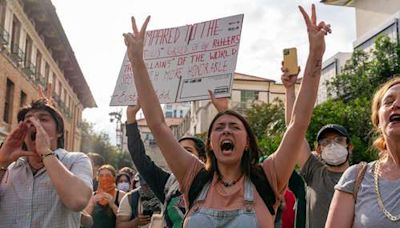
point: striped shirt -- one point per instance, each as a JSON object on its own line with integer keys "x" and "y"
{"x": 28, "y": 200}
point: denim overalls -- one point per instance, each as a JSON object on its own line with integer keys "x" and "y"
{"x": 206, "y": 217}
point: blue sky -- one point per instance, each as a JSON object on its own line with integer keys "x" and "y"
{"x": 94, "y": 29}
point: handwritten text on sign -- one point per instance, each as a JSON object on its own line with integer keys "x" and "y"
{"x": 184, "y": 62}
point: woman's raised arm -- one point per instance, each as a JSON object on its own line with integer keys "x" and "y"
{"x": 177, "y": 158}
{"x": 293, "y": 139}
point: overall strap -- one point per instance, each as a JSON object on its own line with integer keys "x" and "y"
{"x": 248, "y": 191}
{"x": 264, "y": 189}
{"x": 199, "y": 181}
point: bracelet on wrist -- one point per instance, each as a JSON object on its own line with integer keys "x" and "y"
{"x": 49, "y": 153}
{"x": 3, "y": 169}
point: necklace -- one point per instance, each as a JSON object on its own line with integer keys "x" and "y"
{"x": 393, "y": 218}
{"x": 226, "y": 183}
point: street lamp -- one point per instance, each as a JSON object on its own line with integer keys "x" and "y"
{"x": 117, "y": 117}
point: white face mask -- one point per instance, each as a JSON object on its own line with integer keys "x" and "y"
{"x": 123, "y": 186}
{"x": 334, "y": 154}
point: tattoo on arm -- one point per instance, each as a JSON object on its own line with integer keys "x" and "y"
{"x": 317, "y": 68}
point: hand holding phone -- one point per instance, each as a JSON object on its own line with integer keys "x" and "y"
{"x": 148, "y": 212}
{"x": 290, "y": 60}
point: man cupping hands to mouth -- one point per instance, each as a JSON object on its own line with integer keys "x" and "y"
{"x": 49, "y": 185}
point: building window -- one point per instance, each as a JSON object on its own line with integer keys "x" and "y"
{"x": 59, "y": 89}
{"x": 38, "y": 64}
{"x": 168, "y": 107}
{"x": 248, "y": 95}
{"x": 46, "y": 72}
{"x": 53, "y": 83}
{"x": 22, "y": 99}
{"x": 4, "y": 35}
{"x": 175, "y": 113}
{"x": 16, "y": 52}
{"x": 29, "y": 67}
{"x": 8, "y": 101}
{"x": 168, "y": 114}
{"x": 181, "y": 113}
{"x": 28, "y": 50}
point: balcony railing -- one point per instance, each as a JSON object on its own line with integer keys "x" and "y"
{"x": 29, "y": 69}
{"x": 4, "y": 36}
{"x": 17, "y": 53}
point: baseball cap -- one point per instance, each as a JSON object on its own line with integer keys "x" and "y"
{"x": 332, "y": 127}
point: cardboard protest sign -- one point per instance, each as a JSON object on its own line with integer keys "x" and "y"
{"x": 185, "y": 62}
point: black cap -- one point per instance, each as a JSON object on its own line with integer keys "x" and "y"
{"x": 333, "y": 127}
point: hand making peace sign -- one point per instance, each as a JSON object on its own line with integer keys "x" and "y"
{"x": 316, "y": 33}
{"x": 135, "y": 41}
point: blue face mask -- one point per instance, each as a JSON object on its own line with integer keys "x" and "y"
{"x": 123, "y": 186}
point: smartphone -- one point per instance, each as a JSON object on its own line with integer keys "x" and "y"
{"x": 290, "y": 60}
{"x": 148, "y": 212}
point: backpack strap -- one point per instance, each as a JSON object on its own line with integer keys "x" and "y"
{"x": 264, "y": 189}
{"x": 361, "y": 168}
{"x": 133, "y": 199}
{"x": 257, "y": 177}
{"x": 201, "y": 179}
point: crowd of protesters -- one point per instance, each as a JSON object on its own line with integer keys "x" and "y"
{"x": 220, "y": 182}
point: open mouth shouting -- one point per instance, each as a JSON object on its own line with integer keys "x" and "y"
{"x": 33, "y": 135}
{"x": 227, "y": 146}
{"x": 394, "y": 119}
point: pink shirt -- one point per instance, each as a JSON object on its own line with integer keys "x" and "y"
{"x": 222, "y": 198}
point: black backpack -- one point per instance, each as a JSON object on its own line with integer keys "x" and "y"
{"x": 257, "y": 177}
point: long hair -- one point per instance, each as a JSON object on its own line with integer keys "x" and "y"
{"x": 379, "y": 142}
{"x": 249, "y": 158}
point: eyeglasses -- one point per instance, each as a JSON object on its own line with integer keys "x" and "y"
{"x": 338, "y": 139}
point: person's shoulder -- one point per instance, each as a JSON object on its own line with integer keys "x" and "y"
{"x": 76, "y": 155}
{"x": 69, "y": 158}
{"x": 313, "y": 162}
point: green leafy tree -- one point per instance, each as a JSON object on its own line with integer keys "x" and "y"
{"x": 268, "y": 124}
{"x": 354, "y": 89}
{"x": 100, "y": 143}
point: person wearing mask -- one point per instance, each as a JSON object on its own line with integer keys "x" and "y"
{"x": 97, "y": 161}
{"x": 230, "y": 196}
{"x": 138, "y": 206}
{"x": 104, "y": 203}
{"x": 162, "y": 183}
{"x": 39, "y": 179}
{"x": 368, "y": 195}
{"x": 123, "y": 182}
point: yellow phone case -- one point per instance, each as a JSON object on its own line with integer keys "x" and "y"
{"x": 290, "y": 60}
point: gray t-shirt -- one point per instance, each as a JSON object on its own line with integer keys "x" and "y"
{"x": 367, "y": 211}
{"x": 320, "y": 188}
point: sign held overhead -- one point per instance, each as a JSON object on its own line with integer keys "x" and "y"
{"x": 185, "y": 62}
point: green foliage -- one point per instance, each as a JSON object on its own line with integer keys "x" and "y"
{"x": 354, "y": 89}
{"x": 100, "y": 143}
{"x": 366, "y": 71}
{"x": 354, "y": 115}
{"x": 268, "y": 124}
